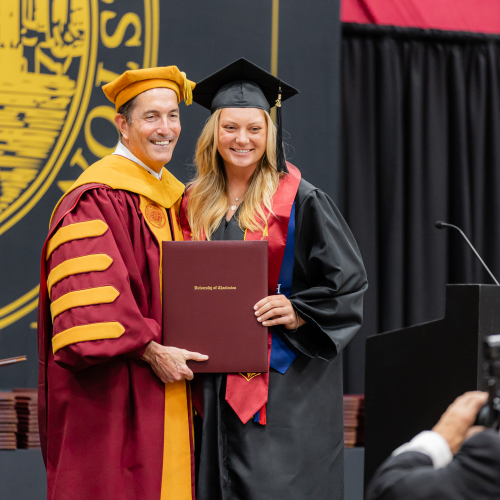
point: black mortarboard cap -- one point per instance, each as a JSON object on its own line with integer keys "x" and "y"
{"x": 242, "y": 84}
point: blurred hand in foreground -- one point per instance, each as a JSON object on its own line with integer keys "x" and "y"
{"x": 455, "y": 425}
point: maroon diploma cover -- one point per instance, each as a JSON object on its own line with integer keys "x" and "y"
{"x": 209, "y": 290}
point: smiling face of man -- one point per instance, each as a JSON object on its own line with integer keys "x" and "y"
{"x": 154, "y": 127}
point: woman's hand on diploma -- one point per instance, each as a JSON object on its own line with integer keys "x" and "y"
{"x": 277, "y": 310}
{"x": 169, "y": 363}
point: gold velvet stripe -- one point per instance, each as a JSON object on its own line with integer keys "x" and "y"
{"x": 77, "y": 231}
{"x": 87, "y": 297}
{"x": 85, "y": 264}
{"x": 176, "y": 476}
{"x": 84, "y": 333}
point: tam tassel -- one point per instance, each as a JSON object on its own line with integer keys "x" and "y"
{"x": 187, "y": 90}
{"x": 280, "y": 153}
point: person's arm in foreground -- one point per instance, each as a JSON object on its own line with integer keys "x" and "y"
{"x": 426, "y": 469}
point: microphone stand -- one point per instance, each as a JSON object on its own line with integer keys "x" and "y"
{"x": 442, "y": 225}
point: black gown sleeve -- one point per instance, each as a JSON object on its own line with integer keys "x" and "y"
{"x": 473, "y": 474}
{"x": 329, "y": 278}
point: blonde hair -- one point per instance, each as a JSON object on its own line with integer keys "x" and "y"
{"x": 208, "y": 199}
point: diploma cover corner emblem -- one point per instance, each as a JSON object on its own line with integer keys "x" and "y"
{"x": 249, "y": 376}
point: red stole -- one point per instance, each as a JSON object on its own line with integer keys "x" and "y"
{"x": 247, "y": 392}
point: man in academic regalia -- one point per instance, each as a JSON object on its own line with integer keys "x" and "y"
{"x": 114, "y": 404}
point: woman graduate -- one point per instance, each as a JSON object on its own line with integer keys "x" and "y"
{"x": 276, "y": 435}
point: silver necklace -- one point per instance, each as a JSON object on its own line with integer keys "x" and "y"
{"x": 233, "y": 207}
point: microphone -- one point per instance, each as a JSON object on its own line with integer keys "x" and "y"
{"x": 443, "y": 225}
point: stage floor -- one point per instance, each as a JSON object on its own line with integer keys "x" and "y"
{"x": 22, "y": 475}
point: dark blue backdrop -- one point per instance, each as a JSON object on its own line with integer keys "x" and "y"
{"x": 199, "y": 37}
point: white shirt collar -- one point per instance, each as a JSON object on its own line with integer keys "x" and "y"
{"x": 122, "y": 150}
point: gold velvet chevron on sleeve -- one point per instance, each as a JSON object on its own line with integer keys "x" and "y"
{"x": 84, "y": 333}
{"x": 80, "y": 298}
{"x": 77, "y": 231}
{"x": 78, "y": 265}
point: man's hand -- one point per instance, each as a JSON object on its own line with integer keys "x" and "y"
{"x": 455, "y": 423}
{"x": 169, "y": 363}
{"x": 277, "y": 310}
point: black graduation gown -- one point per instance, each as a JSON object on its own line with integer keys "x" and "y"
{"x": 299, "y": 453}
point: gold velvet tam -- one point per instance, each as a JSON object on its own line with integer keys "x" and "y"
{"x": 134, "y": 82}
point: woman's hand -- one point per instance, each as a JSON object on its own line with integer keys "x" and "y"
{"x": 277, "y": 310}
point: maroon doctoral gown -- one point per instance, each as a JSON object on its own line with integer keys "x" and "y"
{"x": 110, "y": 429}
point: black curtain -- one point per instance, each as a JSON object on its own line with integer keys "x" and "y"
{"x": 420, "y": 142}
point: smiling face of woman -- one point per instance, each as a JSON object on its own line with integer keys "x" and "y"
{"x": 242, "y": 137}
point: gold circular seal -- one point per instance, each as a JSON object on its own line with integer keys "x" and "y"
{"x": 155, "y": 216}
{"x": 56, "y": 55}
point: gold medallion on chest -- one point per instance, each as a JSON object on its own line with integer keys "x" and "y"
{"x": 155, "y": 216}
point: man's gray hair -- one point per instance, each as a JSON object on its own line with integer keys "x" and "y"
{"x": 126, "y": 109}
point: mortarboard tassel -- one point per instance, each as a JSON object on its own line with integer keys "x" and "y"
{"x": 280, "y": 154}
{"x": 187, "y": 91}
